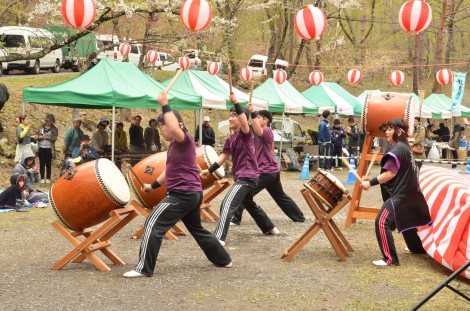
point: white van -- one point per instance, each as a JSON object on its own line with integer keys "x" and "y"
{"x": 3, "y": 65}
{"x": 258, "y": 63}
{"x": 291, "y": 131}
{"x": 26, "y": 40}
{"x": 109, "y": 40}
{"x": 164, "y": 59}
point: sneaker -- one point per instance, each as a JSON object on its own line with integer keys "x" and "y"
{"x": 22, "y": 210}
{"x": 273, "y": 231}
{"x": 456, "y": 170}
{"x": 407, "y": 250}
{"x": 338, "y": 168}
{"x": 48, "y": 181}
{"x": 222, "y": 243}
{"x": 133, "y": 274}
{"x": 234, "y": 224}
{"x": 380, "y": 263}
{"x": 43, "y": 181}
{"x": 229, "y": 265}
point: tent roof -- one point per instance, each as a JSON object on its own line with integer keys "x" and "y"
{"x": 362, "y": 97}
{"x": 108, "y": 84}
{"x": 284, "y": 98}
{"x": 445, "y": 103}
{"x": 330, "y": 95}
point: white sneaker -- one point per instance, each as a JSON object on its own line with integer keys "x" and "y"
{"x": 229, "y": 265}
{"x": 273, "y": 231}
{"x": 338, "y": 168}
{"x": 133, "y": 274}
{"x": 48, "y": 181}
{"x": 380, "y": 263}
{"x": 234, "y": 224}
{"x": 456, "y": 170}
{"x": 407, "y": 250}
{"x": 43, "y": 181}
{"x": 222, "y": 243}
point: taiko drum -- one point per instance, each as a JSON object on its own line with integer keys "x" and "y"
{"x": 327, "y": 187}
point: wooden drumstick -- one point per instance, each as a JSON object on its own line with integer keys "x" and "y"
{"x": 251, "y": 90}
{"x": 345, "y": 161}
{"x": 374, "y": 156}
{"x": 129, "y": 167}
{"x": 230, "y": 80}
{"x": 172, "y": 83}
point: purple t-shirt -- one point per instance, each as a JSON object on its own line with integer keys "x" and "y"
{"x": 242, "y": 148}
{"x": 181, "y": 169}
{"x": 267, "y": 163}
{"x": 391, "y": 164}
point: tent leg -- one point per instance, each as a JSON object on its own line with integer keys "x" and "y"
{"x": 113, "y": 129}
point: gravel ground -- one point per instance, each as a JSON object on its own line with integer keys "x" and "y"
{"x": 185, "y": 280}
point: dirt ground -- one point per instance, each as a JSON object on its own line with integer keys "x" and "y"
{"x": 185, "y": 280}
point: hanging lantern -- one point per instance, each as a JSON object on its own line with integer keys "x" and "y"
{"x": 316, "y": 77}
{"x": 246, "y": 74}
{"x": 125, "y": 48}
{"x": 415, "y": 16}
{"x": 213, "y": 68}
{"x": 196, "y": 14}
{"x": 310, "y": 23}
{"x": 184, "y": 62}
{"x": 444, "y": 76}
{"x": 354, "y": 76}
{"x": 397, "y": 77}
{"x": 79, "y": 13}
{"x": 152, "y": 56}
{"x": 280, "y": 76}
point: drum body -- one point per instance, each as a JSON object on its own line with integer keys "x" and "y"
{"x": 86, "y": 195}
{"x": 328, "y": 187}
{"x": 150, "y": 168}
{"x": 380, "y": 108}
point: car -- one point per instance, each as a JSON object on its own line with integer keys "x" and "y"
{"x": 291, "y": 131}
{"x": 19, "y": 40}
{"x": 258, "y": 64}
{"x": 3, "y": 65}
{"x": 164, "y": 59}
{"x": 113, "y": 53}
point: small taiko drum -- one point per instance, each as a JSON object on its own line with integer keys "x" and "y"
{"x": 153, "y": 166}
{"x": 86, "y": 194}
{"x": 327, "y": 188}
{"x": 380, "y": 108}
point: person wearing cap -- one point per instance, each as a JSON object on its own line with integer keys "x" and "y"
{"x": 85, "y": 152}
{"x": 208, "y": 134}
{"x": 152, "y": 137}
{"x": 72, "y": 137}
{"x": 107, "y": 128}
{"x": 240, "y": 145}
{"x": 454, "y": 144}
{"x": 46, "y": 137}
{"x": 100, "y": 138}
{"x": 270, "y": 177}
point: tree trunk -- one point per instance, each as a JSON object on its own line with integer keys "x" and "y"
{"x": 450, "y": 31}
{"x": 440, "y": 38}
{"x": 416, "y": 65}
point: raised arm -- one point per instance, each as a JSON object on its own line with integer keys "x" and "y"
{"x": 170, "y": 119}
{"x": 254, "y": 120}
{"x": 244, "y": 126}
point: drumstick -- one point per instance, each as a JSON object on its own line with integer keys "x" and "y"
{"x": 230, "y": 79}
{"x": 345, "y": 161}
{"x": 251, "y": 90}
{"x": 172, "y": 83}
{"x": 129, "y": 167}
{"x": 374, "y": 155}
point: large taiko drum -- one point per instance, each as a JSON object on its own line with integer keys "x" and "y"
{"x": 151, "y": 167}
{"x": 85, "y": 195}
{"x": 327, "y": 187}
{"x": 379, "y": 108}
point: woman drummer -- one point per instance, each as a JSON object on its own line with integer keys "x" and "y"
{"x": 183, "y": 198}
{"x": 406, "y": 208}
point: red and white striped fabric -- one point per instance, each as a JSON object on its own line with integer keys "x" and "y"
{"x": 125, "y": 48}
{"x": 415, "y": 16}
{"x": 354, "y": 76}
{"x": 196, "y": 14}
{"x": 310, "y": 22}
{"x": 213, "y": 68}
{"x": 184, "y": 62}
{"x": 444, "y": 76}
{"x": 397, "y": 77}
{"x": 152, "y": 56}
{"x": 316, "y": 77}
{"x": 280, "y": 76}
{"x": 246, "y": 74}
{"x": 447, "y": 193}
{"x": 79, "y": 13}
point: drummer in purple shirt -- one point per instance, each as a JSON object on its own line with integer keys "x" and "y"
{"x": 269, "y": 178}
{"x": 240, "y": 146}
{"x": 183, "y": 198}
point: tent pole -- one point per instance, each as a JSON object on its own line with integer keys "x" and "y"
{"x": 113, "y": 129}
{"x": 24, "y": 108}
{"x": 282, "y": 136}
{"x": 200, "y": 128}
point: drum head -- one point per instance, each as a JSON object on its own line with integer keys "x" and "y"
{"x": 112, "y": 181}
{"x": 210, "y": 156}
{"x": 334, "y": 180}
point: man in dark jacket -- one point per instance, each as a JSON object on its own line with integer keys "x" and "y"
{"x": 4, "y": 96}
{"x": 354, "y": 139}
{"x": 136, "y": 135}
{"x": 444, "y": 135}
{"x": 324, "y": 140}
{"x": 208, "y": 134}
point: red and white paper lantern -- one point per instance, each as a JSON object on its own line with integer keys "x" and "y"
{"x": 79, "y": 13}
{"x": 184, "y": 62}
{"x": 196, "y": 14}
{"x": 444, "y": 76}
{"x": 316, "y": 77}
{"x": 310, "y": 22}
{"x": 415, "y": 16}
{"x": 280, "y": 76}
{"x": 152, "y": 56}
{"x": 354, "y": 76}
{"x": 213, "y": 68}
{"x": 246, "y": 74}
{"x": 125, "y": 48}
{"x": 397, "y": 77}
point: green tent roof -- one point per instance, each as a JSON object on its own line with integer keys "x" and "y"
{"x": 108, "y": 84}
{"x": 330, "y": 95}
{"x": 445, "y": 103}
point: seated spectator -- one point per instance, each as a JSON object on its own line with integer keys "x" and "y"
{"x": 120, "y": 142}
{"x": 100, "y": 139}
{"x": 31, "y": 173}
{"x": 12, "y": 197}
{"x": 82, "y": 154}
{"x": 108, "y": 128}
{"x": 152, "y": 137}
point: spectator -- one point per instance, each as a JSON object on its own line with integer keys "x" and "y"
{"x": 152, "y": 137}
{"x": 100, "y": 139}
{"x": 107, "y": 128}
{"x": 324, "y": 140}
{"x": 354, "y": 139}
{"x": 85, "y": 152}
{"x": 23, "y": 138}
{"x": 208, "y": 134}
{"x": 417, "y": 147}
{"x": 47, "y": 136}
{"x": 454, "y": 144}
{"x": 4, "y": 96}
{"x": 314, "y": 136}
{"x": 444, "y": 136}
{"x": 136, "y": 135}
{"x": 429, "y": 137}
{"x": 337, "y": 136}
{"x": 27, "y": 168}
{"x": 72, "y": 137}
{"x": 12, "y": 197}
{"x": 120, "y": 142}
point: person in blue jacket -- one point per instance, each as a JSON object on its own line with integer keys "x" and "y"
{"x": 324, "y": 140}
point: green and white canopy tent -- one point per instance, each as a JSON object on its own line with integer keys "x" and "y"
{"x": 362, "y": 97}
{"x": 331, "y": 96}
{"x": 444, "y": 103}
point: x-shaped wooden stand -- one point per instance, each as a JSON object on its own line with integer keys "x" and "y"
{"x": 206, "y": 212}
{"x": 97, "y": 240}
{"x": 324, "y": 214}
